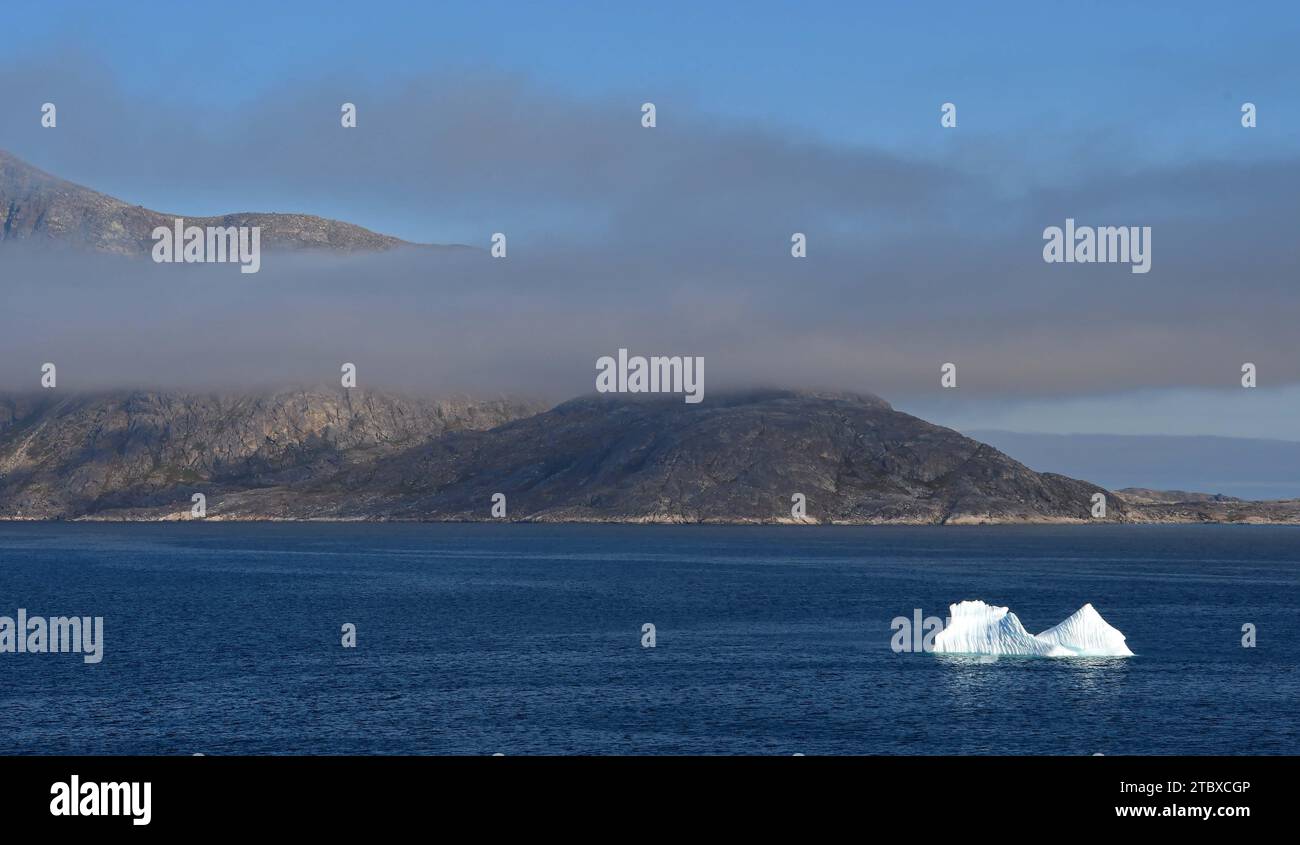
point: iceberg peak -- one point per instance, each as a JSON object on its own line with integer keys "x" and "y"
{"x": 975, "y": 627}
{"x": 1086, "y": 634}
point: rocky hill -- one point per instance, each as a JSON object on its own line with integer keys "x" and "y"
{"x": 70, "y": 456}
{"x": 38, "y": 207}
{"x": 737, "y": 458}
{"x": 354, "y": 455}
{"x": 364, "y": 455}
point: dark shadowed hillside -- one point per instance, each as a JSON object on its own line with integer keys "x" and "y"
{"x": 737, "y": 458}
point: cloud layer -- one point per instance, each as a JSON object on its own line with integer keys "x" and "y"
{"x": 673, "y": 240}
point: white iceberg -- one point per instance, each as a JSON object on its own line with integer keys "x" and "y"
{"x": 1086, "y": 634}
{"x": 978, "y": 628}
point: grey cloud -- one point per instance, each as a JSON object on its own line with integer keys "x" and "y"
{"x": 673, "y": 240}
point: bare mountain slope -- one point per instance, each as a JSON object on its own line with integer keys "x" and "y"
{"x": 64, "y": 456}
{"x": 36, "y": 206}
{"x": 354, "y": 455}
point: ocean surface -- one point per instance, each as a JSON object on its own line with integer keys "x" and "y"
{"x": 526, "y": 639}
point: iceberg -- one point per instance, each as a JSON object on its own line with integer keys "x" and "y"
{"x": 978, "y": 628}
{"x": 1086, "y": 634}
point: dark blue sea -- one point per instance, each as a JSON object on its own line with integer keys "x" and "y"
{"x": 526, "y": 639}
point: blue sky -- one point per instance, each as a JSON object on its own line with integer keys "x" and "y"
{"x": 777, "y": 115}
{"x": 855, "y": 72}
{"x": 1139, "y": 84}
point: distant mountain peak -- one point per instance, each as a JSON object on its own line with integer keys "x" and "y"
{"x": 40, "y": 207}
